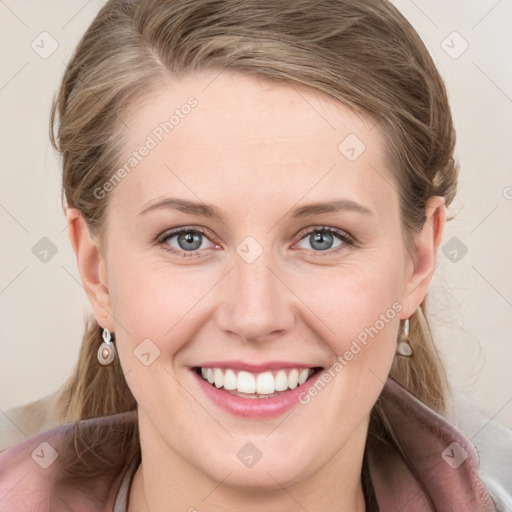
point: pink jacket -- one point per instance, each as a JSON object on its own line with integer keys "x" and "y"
{"x": 441, "y": 474}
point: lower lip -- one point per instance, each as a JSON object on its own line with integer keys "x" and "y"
{"x": 254, "y": 407}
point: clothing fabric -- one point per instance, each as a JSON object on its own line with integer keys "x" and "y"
{"x": 121, "y": 504}
{"x": 493, "y": 441}
{"x": 435, "y": 471}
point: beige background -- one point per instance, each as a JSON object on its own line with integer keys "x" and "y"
{"x": 42, "y": 304}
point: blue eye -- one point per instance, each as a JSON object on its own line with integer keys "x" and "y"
{"x": 324, "y": 238}
{"x": 189, "y": 242}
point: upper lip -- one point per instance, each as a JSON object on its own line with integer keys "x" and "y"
{"x": 255, "y": 368}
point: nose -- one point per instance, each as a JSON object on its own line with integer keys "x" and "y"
{"x": 257, "y": 303}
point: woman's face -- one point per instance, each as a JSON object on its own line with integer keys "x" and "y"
{"x": 251, "y": 172}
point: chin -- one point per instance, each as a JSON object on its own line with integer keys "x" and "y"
{"x": 270, "y": 468}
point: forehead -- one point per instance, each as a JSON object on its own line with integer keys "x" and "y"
{"x": 213, "y": 133}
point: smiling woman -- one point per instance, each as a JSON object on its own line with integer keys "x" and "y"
{"x": 258, "y": 277}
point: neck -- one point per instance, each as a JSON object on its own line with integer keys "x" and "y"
{"x": 165, "y": 481}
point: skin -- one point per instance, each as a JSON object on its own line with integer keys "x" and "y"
{"x": 256, "y": 150}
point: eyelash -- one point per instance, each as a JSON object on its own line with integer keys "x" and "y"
{"x": 347, "y": 240}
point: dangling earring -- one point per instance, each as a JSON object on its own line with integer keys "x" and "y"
{"x": 403, "y": 347}
{"x": 107, "y": 350}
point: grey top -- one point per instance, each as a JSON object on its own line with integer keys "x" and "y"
{"x": 121, "y": 503}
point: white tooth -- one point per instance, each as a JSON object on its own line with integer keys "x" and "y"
{"x": 246, "y": 382}
{"x": 303, "y": 376}
{"x": 293, "y": 379}
{"x": 229, "y": 380}
{"x": 281, "y": 381}
{"x": 219, "y": 377}
{"x": 265, "y": 383}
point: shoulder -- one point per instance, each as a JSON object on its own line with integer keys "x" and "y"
{"x": 27, "y": 420}
{"x": 432, "y": 466}
{"x": 493, "y": 441}
{"x": 76, "y": 463}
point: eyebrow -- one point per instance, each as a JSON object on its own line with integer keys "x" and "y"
{"x": 211, "y": 211}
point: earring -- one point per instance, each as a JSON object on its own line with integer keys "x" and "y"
{"x": 403, "y": 347}
{"x": 107, "y": 350}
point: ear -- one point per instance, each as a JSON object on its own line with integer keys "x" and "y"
{"x": 425, "y": 245}
{"x": 91, "y": 267}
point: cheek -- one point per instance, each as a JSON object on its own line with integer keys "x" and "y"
{"x": 153, "y": 306}
{"x": 359, "y": 309}
{"x": 152, "y": 300}
{"x": 369, "y": 317}
{"x": 357, "y": 300}
{"x": 357, "y": 314}
{"x": 143, "y": 294}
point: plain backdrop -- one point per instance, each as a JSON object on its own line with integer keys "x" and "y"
{"x": 42, "y": 302}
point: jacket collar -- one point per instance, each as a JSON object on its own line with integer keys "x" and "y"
{"x": 438, "y": 466}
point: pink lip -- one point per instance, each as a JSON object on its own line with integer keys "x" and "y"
{"x": 254, "y": 368}
{"x": 254, "y": 407}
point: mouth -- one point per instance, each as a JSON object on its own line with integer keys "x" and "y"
{"x": 256, "y": 385}
{"x": 255, "y": 391}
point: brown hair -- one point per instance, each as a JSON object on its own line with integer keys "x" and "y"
{"x": 364, "y": 54}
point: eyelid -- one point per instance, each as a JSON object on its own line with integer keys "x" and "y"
{"x": 160, "y": 240}
{"x": 344, "y": 235}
